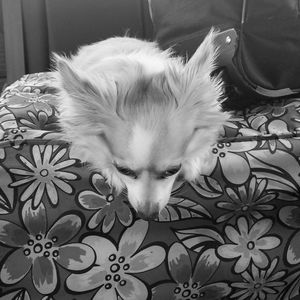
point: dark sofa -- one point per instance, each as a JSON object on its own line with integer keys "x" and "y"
{"x": 64, "y": 234}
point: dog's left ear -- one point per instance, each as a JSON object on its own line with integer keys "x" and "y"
{"x": 201, "y": 102}
{"x": 203, "y": 60}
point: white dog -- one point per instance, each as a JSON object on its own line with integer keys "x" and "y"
{"x": 141, "y": 116}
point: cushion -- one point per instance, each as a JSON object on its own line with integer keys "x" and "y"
{"x": 64, "y": 234}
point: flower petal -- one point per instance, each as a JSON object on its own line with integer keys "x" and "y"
{"x": 260, "y": 228}
{"x": 147, "y": 259}
{"x": 27, "y": 163}
{"x": 64, "y": 164}
{"x": 35, "y": 220}
{"x": 290, "y": 216}
{"x": 260, "y": 259}
{"x": 132, "y": 238}
{"x": 66, "y": 175}
{"x": 180, "y": 265}
{"x": 100, "y": 184}
{"x": 52, "y": 192}
{"x": 19, "y": 294}
{"x": 269, "y": 242}
{"x": 58, "y": 156}
{"x": 21, "y": 181}
{"x": 104, "y": 294}
{"x": 36, "y": 153}
{"x": 64, "y": 229}
{"x": 15, "y": 267}
{"x": 97, "y": 217}
{"x": 29, "y": 190}
{"x": 233, "y": 195}
{"x": 90, "y": 280}
{"x": 102, "y": 247}
{"x": 125, "y": 215}
{"x": 44, "y": 275}
{"x": 214, "y": 291}
{"x": 134, "y": 289}
{"x": 260, "y": 188}
{"x": 109, "y": 221}
{"x": 228, "y": 251}
{"x": 47, "y": 154}
{"x": 224, "y": 217}
{"x": 242, "y": 264}
{"x": 62, "y": 185}
{"x": 21, "y": 172}
{"x": 235, "y": 168}
{"x": 242, "y": 146}
{"x": 39, "y": 194}
{"x": 271, "y": 269}
{"x": 243, "y": 226}
{"x": 91, "y": 200}
{"x": 206, "y": 266}
{"x": 12, "y": 235}
{"x": 232, "y": 234}
{"x": 293, "y": 251}
{"x": 164, "y": 291}
{"x": 76, "y": 257}
{"x": 242, "y": 294}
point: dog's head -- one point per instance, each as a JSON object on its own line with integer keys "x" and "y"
{"x": 142, "y": 130}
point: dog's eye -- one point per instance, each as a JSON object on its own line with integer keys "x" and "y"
{"x": 127, "y": 172}
{"x": 170, "y": 172}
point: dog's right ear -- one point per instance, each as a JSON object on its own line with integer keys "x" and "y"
{"x": 84, "y": 99}
{"x": 71, "y": 81}
{"x": 202, "y": 63}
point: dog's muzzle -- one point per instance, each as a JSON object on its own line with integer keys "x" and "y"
{"x": 148, "y": 212}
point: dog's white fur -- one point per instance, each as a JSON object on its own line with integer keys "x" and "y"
{"x": 124, "y": 102}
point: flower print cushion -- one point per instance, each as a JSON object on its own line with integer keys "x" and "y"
{"x": 233, "y": 234}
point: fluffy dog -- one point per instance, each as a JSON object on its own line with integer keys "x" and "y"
{"x": 140, "y": 115}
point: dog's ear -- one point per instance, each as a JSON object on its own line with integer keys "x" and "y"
{"x": 203, "y": 60}
{"x": 201, "y": 101}
{"x": 85, "y": 100}
{"x": 72, "y": 81}
{"x": 199, "y": 88}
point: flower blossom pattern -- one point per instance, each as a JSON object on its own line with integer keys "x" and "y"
{"x": 235, "y": 167}
{"x": 190, "y": 284}
{"x": 113, "y": 274}
{"x": 290, "y": 216}
{"x": 39, "y": 250}
{"x": 248, "y": 200}
{"x": 45, "y": 174}
{"x": 259, "y": 284}
{"x": 107, "y": 205}
{"x": 248, "y": 244}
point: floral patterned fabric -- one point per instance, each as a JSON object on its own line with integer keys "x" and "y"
{"x": 64, "y": 234}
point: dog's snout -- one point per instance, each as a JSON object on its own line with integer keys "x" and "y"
{"x": 148, "y": 213}
{"x": 148, "y": 217}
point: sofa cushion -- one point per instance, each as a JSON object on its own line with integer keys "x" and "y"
{"x": 65, "y": 234}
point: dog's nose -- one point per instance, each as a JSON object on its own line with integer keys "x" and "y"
{"x": 148, "y": 212}
{"x": 148, "y": 217}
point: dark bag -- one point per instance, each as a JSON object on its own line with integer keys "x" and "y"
{"x": 259, "y": 39}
